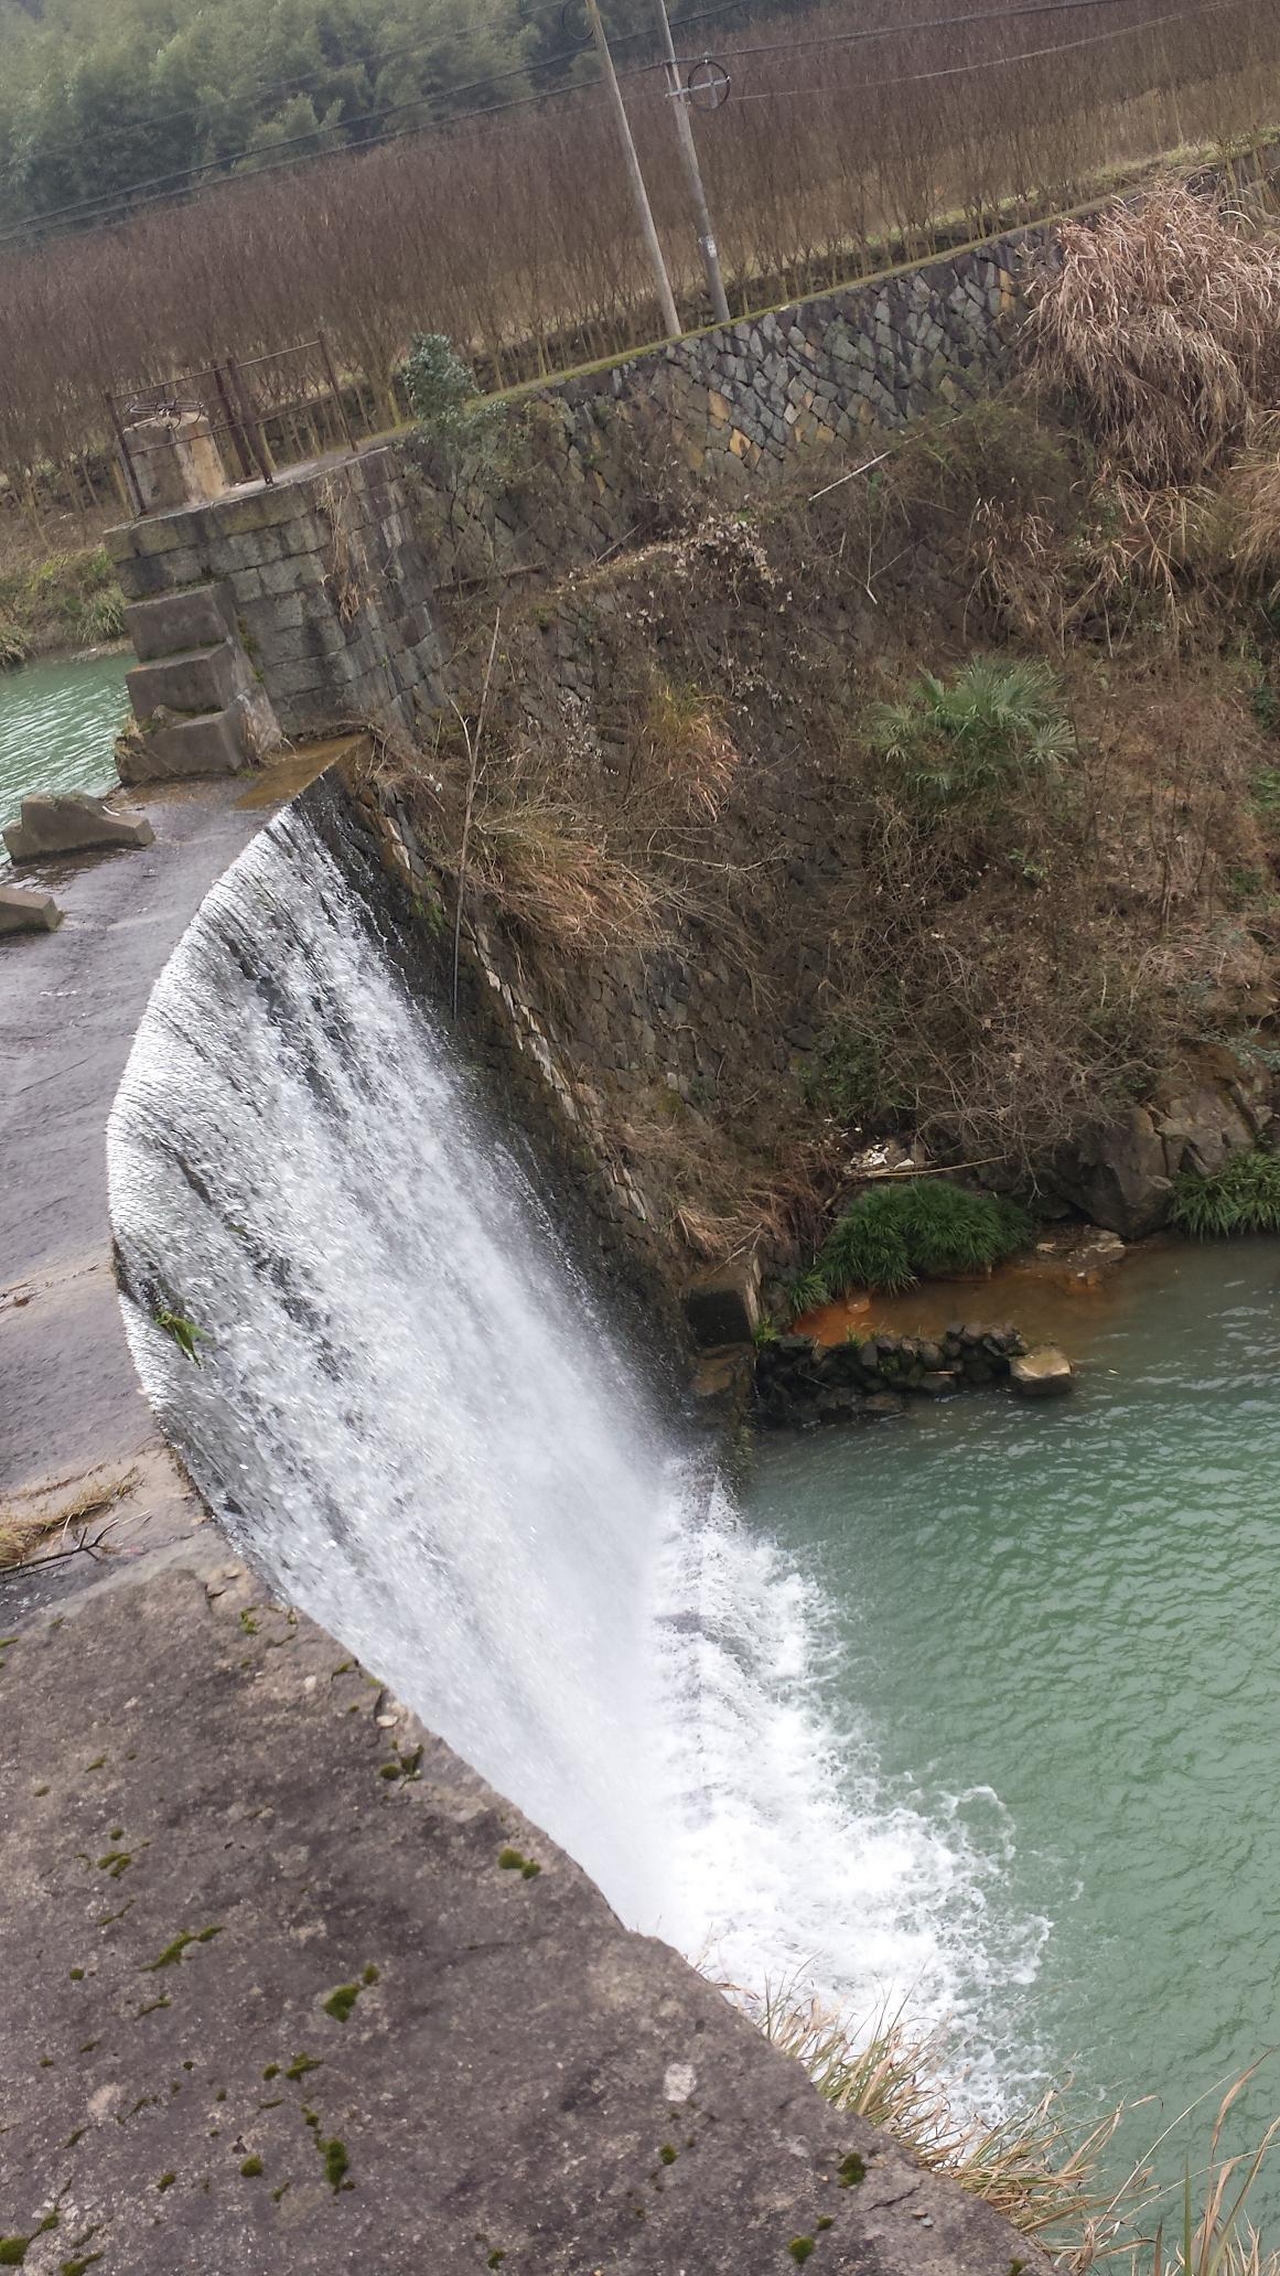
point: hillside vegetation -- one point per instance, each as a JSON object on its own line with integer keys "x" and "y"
{"x": 479, "y": 191}
{"x": 972, "y": 768}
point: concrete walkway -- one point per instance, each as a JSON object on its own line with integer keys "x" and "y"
{"x": 70, "y": 1003}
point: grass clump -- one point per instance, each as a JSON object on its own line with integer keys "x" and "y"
{"x": 952, "y": 743}
{"x": 68, "y": 1509}
{"x": 68, "y": 600}
{"x": 1242, "y": 1197}
{"x": 1038, "y": 2172}
{"x": 896, "y": 1232}
{"x": 1162, "y": 327}
{"x": 544, "y": 870}
{"x": 808, "y": 1292}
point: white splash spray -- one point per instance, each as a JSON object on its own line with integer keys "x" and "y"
{"x": 410, "y": 1413}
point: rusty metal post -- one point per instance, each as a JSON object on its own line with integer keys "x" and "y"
{"x": 130, "y": 470}
{"x": 334, "y": 389}
{"x": 234, "y": 428}
{"x": 256, "y": 438}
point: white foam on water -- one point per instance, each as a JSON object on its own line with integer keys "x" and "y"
{"x": 410, "y": 1412}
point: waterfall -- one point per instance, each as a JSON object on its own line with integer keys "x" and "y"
{"x": 409, "y": 1411}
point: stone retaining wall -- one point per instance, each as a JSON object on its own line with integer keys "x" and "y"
{"x": 728, "y": 407}
{"x": 330, "y": 585}
{"x": 800, "y": 1381}
{"x": 732, "y": 405}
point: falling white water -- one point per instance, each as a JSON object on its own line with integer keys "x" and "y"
{"x": 410, "y": 1413}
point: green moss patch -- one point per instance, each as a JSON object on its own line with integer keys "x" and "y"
{"x": 514, "y": 1861}
{"x": 172, "y": 1953}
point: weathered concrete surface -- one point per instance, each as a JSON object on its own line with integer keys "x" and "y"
{"x": 514, "y": 2073}
{"x": 71, "y": 822}
{"x": 70, "y": 1003}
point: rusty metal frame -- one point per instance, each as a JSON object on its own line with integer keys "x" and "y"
{"x": 222, "y": 388}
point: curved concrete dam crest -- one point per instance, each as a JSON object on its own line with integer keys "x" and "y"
{"x": 286, "y": 1987}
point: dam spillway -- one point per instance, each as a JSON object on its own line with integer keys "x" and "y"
{"x": 409, "y": 1408}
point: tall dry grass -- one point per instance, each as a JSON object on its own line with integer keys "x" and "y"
{"x": 1044, "y": 2173}
{"x": 516, "y": 237}
{"x": 1161, "y": 324}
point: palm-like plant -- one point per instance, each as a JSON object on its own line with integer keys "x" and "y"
{"x": 993, "y": 721}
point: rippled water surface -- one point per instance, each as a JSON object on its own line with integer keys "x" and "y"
{"x": 1058, "y": 1627}
{"x": 58, "y": 724}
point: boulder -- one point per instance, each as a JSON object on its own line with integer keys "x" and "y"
{"x": 1199, "y": 1128}
{"x": 1043, "y": 1374}
{"x": 72, "y": 822}
{"x": 1120, "y": 1177}
{"x": 23, "y": 910}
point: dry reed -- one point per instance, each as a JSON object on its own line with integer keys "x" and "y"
{"x": 1161, "y": 325}
{"x": 29, "y": 1520}
{"x": 1043, "y": 2173}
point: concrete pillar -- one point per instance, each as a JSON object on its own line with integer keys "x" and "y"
{"x": 175, "y": 459}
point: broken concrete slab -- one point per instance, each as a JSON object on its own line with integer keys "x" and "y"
{"x": 285, "y": 1987}
{"x": 23, "y": 909}
{"x": 69, "y": 822}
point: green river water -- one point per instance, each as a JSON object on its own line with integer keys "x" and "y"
{"x": 1057, "y": 1629}
{"x": 58, "y": 724}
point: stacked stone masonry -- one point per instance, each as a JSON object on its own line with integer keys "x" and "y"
{"x": 730, "y": 407}
{"x": 329, "y": 585}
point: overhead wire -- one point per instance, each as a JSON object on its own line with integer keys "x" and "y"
{"x": 162, "y": 191}
{"x": 1001, "y": 62}
{"x": 264, "y": 94}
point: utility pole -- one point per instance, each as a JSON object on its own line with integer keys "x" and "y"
{"x": 689, "y": 153}
{"x": 666, "y": 299}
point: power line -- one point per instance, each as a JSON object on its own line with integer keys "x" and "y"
{"x": 128, "y": 204}
{"x": 128, "y": 200}
{"x": 999, "y": 62}
{"x": 936, "y": 24}
{"x": 263, "y": 93}
{"x": 82, "y": 206}
{"x": 107, "y": 205}
{"x": 266, "y": 95}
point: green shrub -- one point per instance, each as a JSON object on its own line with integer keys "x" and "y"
{"x": 1242, "y": 1197}
{"x": 1264, "y": 790}
{"x": 443, "y": 397}
{"x": 807, "y": 1293}
{"x": 993, "y": 724}
{"x": 846, "y": 1078}
{"x": 895, "y": 1233}
{"x": 101, "y": 617}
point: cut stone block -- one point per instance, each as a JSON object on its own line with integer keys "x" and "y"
{"x": 72, "y": 822}
{"x": 213, "y": 744}
{"x": 24, "y": 910}
{"x": 175, "y": 460}
{"x": 1044, "y": 1374}
{"x": 200, "y": 679}
{"x": 176, "y": 622}
{"x": 723, "y": 1307}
